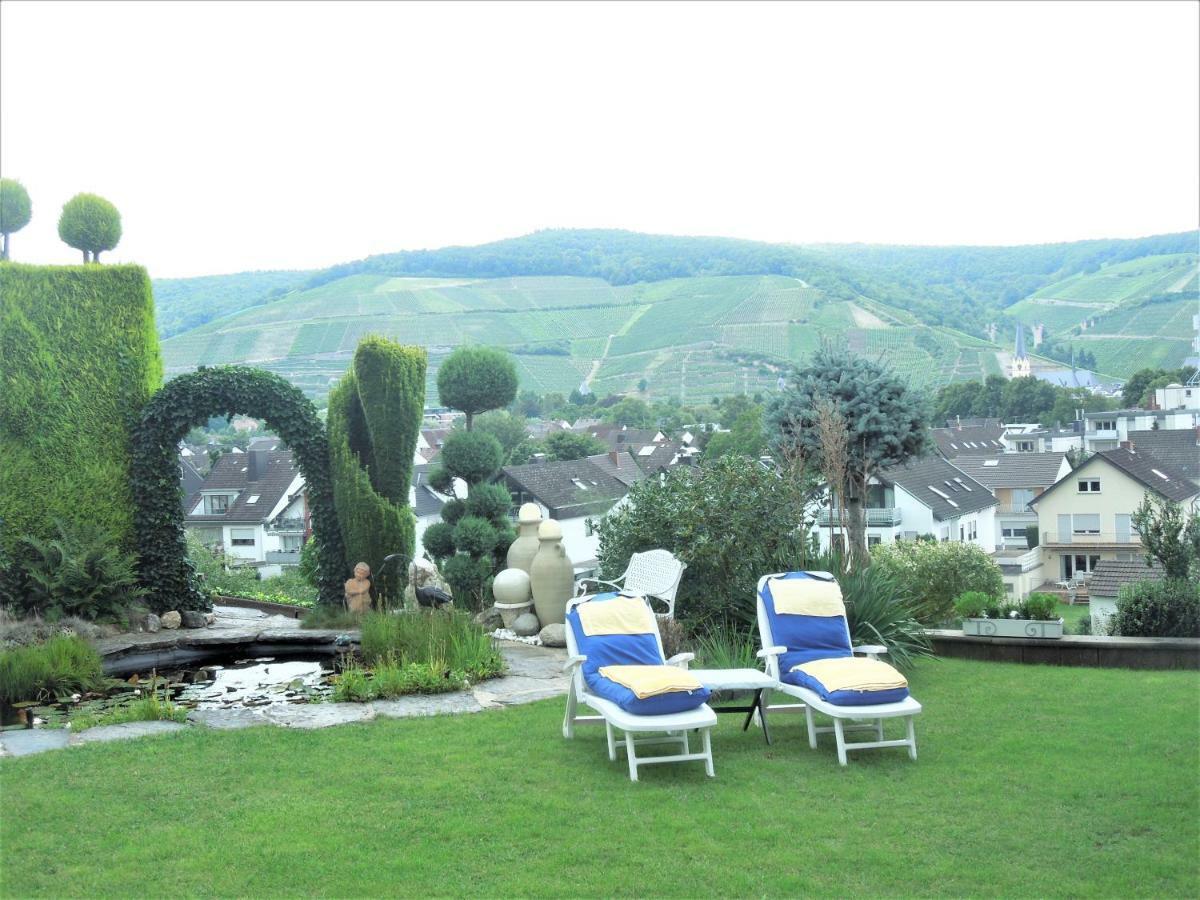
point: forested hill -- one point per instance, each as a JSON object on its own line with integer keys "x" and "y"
{"x": 961, "y": 286}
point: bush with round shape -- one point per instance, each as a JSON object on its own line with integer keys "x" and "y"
{"x": 91, "y": 224}
{"x": 468, "y": 577}
{"x": 472, "y": 456}
{"x": 491, "y": 502}
{"x": 15, "y": 210}
{"x": 186, "y": 402}
{"x": 441, "y": 480}
{"x": 438, "y": 540}
{"x": 453, "y": 510}
{"x": 474, "y": 379}
{"x": 935, "y": 573}
{"x": 475, "y": 536}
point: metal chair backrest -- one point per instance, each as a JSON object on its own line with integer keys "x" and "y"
{"x": 655, "y": 573}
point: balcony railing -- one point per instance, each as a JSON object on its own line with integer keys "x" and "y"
{"x": 1074, "y": 539}
{"x": 284, "y": 557}
{"x": 877, "y": 518}
{"x": 1012, "y": 509}
{"x": 286, "y": 525}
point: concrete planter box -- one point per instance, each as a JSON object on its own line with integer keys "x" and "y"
{"x": 1017, "y": 628}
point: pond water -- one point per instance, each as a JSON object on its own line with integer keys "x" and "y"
{"x": 232, "y": 684}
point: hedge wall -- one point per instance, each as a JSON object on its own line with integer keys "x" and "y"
{"x": 79, "y": 357}
{"x": 374, "y": 418}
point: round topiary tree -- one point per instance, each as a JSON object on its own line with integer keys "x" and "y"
{"x": 15, "y": 210}
{"x": 474, "y": 379}
{"x": 91, "y": 224}
{"x": 186, "y": 402}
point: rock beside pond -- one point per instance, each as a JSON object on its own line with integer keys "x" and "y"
{"x": 170, "y": 619}
{"x": 527, "y": 625}
{"x": 490, "y": 619}
{"x": 423, "y": 573}
{"x": 553, "y": 635}
{"x": 152, "y": 623}
{"x": 192, "y": 619}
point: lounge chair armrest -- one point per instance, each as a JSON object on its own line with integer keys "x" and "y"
{"x": 871, "y": 650}
{"x": 771, "y": 651}
{"x": 572, "y": 662}
{"x": 582, "y": 582}
{"x": 681, "y": 660}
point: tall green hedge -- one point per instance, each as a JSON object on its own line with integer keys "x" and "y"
{"x": 79, "y": 357}
{"x": 374, "y": 418}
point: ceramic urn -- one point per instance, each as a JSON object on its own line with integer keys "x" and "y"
{"x": 552, "y": 576}
{"x": 525, "y": 547}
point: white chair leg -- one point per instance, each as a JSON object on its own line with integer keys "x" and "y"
{"x": 612, "y": 747}
{"x": 841, "y": 740}
{"x": 569, "y": 718}
{"x": 708, "y": 760}
{"x": 879, "y": 729}
{"x": 632, "y": 754}
{"x": 686, "y": 747}
{"x": 812, "y": 728}
{"x": 912, "y": 739}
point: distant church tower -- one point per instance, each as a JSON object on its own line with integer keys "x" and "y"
{"x": 1020, "y": 363}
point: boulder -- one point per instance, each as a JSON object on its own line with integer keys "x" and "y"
{"x": 210, "y": 618}
{"x": 553, "y": 635}
{"x": 423, "y": 573}
{"x": 527, "y": 625}
{"x": 190, "y": 618}
{"x": 152, "y": 623}
{"x": 490, "y": 619}
{"x": 170, "y": 619}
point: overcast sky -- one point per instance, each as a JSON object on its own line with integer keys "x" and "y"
{"x": 295, "y": 135}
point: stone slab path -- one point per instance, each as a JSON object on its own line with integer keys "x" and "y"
{"x": 534, "y": 673}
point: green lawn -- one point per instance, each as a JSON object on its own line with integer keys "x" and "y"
{"x": 1031, "y": 781}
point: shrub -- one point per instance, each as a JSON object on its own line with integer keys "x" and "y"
{"x": 453, "y": 510}
{"x": 730, "y": 522}
{"x": 469, "y": 578}
{"x": 1168, "y": 608}
{"x": 62, "y": 665}
{"x": 490, "y": 502}
{"x": 79, "y": 358}
{"x": 15, "y": 210}
{"x": 472, "y": 456}
{"x": 1084, "y": 625}
{"x": 187, "y": 401}
{"x": 1032, "y": 535}
{"x": 879, "y": 611}
{"x": 91, "y": 224}
{"x": 475, "y": 536}
{"x": 933, "y": 574}
{"x": 1040, "y": 606}
{"x": 351, "y": 685}
{"x": 79, "y": 572}
{"x": 973, "y": 604}
{"x": 438, "y": 540}
{"x": 475, "y": 379}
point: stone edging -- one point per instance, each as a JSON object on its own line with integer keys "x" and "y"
{"x": 1071, "y": 650}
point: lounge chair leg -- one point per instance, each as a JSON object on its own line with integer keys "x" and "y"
{"x": 879, "y": 729}
{"x": 632, "y": 754}
{"x": 686, "y": 747}
{"x": 708, "y": 760}
{"x": 612, "y": 747}
{"x": 569, "y": 719}
{"x": 912, "y": 739}
{"x": 812, "y": 728}
{"x": 841, "y": 740}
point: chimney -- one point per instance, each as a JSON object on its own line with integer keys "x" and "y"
{"x": 615, "y": 458}
{"x": 1127, "y": 445}
{"x": 620, "y": 437}
{"x": 256, "y": 464}
{"x": 539, "y": 458}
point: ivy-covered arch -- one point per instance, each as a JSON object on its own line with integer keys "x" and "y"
{"x": 187, "y": 402}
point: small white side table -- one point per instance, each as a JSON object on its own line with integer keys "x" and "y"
{"x": 740, "y": 680}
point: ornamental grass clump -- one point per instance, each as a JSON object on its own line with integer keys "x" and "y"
{"x": 63, "y": 665}
{"x": 445, "y": 639}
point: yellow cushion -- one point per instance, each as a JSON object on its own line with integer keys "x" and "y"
{"x": 806, "y": 597}
{"x": 852, "y": 673}
{"x": 620, "y": 615}
{"x": 650, "y": 681}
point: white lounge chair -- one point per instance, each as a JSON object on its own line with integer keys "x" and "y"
{"x": 654, "y": 574}
{"x": 640, "y": 646}
{"x": 826, "y": 636}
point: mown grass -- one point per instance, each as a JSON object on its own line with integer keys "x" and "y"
{"x": 1031, "y": 781}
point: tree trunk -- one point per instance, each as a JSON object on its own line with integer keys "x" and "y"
{"x": 470, "y": 420}
{"x": 4, "y": 252}
{"x": 85, "y": 257}
{"x": 855, "y": 500}
{"x": 96, "y": 256}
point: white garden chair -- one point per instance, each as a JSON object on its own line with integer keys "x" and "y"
{"x": 654, "y": 575}
{"x": 642, "y": 646}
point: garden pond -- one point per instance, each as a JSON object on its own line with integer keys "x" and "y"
{"x": 233, "y": 683}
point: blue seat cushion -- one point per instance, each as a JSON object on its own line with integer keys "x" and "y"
{"x": 627, "y": 650}
{"x": 841, "y": 698}
{"x": 806, "y": 637}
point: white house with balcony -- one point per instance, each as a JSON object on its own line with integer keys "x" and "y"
{"x": 252, "y": 506}
{"x": 1109, "y": 430}
{"x": 1085, "y": 518}
{"x": 929, "y": 496}
{"x": 1015, "y": 479}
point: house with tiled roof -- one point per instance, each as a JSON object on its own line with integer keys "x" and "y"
{"x": 969, "y": 440}
{"x": 426, "y": 503}
{"x": 1085, "y": 518}
{"x": 928, "y": 496}
{"x": 1179, "y": 447}
{"x": 252, "y": 506}
{"x": 1105, "y": 586}
{"x": 575, "y": 493}
{"x": 1015, "y": 479}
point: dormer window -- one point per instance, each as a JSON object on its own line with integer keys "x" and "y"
{"x": 216, "y": 504}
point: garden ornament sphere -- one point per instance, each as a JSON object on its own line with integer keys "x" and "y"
{"x": 511, "y": 587}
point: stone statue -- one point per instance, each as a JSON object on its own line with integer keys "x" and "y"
{"x": 359, "y": 590}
